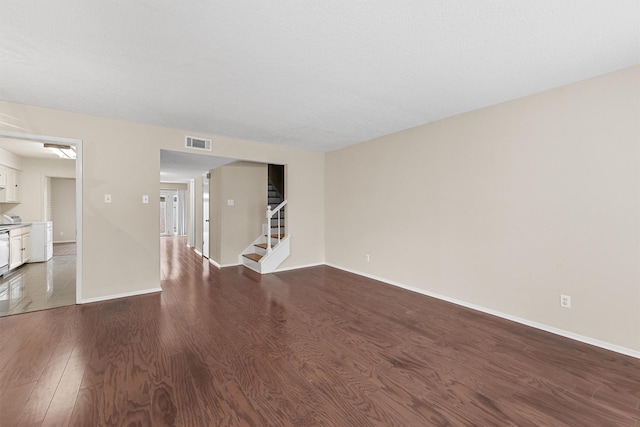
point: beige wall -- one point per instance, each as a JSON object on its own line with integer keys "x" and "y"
{"x": 215, "y": 214}
{"x": 506, "y": 208}
{"x": 123, "y": 159}
{"x": 63, "y": 209}
{"x": 233, "y": 228}
{"x": 34, "y": 172}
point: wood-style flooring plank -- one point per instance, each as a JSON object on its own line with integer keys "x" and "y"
{"x": 63, "y": 400}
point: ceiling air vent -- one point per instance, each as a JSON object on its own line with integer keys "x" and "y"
{"x": 197, "y": 143}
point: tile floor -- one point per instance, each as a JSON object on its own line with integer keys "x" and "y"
{"x": 38, "y": 286}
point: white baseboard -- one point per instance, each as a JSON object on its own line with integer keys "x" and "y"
{"x": 543, "y": 327}
{"x": 235, "y": 264}
{"x": 298, "y": 267}
{"x": 63, "y": 241}
{"x": 123, "y": 295}
{"x": 218, "y": 265}
{"x": 197, "y": 251}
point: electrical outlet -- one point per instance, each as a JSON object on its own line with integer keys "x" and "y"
{"x": 107, "y": 198}
{"x": 145, "y": 198}
{"x": 565, "y": 301}
{"x": 366, "y": 257}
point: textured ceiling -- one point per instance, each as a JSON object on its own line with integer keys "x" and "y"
{"x": 180, "y": 167}
{"x": 317, "y": 75}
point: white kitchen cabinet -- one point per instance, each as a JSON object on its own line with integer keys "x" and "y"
{"x": 3, "y": 177}
{"x": 41, "y": 241}
{"x": 19, "y": 246}
{"x": 12, "y": 192}
{"x": 15, "y": 252}
{"x": 26, "y": 247}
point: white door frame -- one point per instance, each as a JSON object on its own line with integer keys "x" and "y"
{"x": 206, "y": 200}
{"x": 171, "y": 214}
{"x": 77, "y": 143}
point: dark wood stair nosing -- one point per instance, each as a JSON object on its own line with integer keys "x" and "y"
{"x": 253, "y": 257}
{"x": 275, "y": 236}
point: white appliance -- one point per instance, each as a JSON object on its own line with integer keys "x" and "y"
{"x": 4, "y": 251}
{"x": 41, "y": 241}
{"x": 11, "y": 219}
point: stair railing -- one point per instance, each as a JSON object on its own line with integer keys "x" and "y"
{"x": 277, "y": 212}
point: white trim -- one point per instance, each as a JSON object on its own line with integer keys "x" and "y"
{"x": 79, "y": 228}
{"x": 39, "y": 138}
{"x": 536, "y": 325}
{"x": 298, "y": 267}
{"x": 197, "y": 251}
{"x": 219, "y": 266}
{"x": 78, "y": 146}
{"x": 64, "y": 241}
{"x": 123, "y": 295}
{"x": 230, "y": 265}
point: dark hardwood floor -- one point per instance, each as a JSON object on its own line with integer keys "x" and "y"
{"x": 311, "y": 347}
{"x": 64, "y": 249}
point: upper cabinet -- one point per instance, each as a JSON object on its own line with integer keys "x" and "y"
{"x": 12, "y": 191}
{"x": 3, "y": 177}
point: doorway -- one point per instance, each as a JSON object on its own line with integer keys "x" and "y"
{"x": 73, "y": 274}
{"x": 169, "y": 213}
{"x": 194, "y": 171}
{"x": 205, "y": 215}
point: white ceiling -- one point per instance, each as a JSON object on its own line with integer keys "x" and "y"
{"x": 26, "y": 148}
{"x": 317, "y": 75}
{"x": 176, "y": 166}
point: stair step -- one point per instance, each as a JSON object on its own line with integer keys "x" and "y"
{"x": 261, "y": 246}
{"x": 275, "y": 236}
{"x": 253, "y": 257}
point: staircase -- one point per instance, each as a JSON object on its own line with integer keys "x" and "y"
{"x": 270, "y": 249}
{"x": 274, "y": 199}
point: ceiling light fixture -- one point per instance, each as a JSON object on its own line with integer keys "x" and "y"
{"x": 62, "y": 151}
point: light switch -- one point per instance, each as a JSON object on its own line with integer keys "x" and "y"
{"x": 107, "y": 198}
{"x": 145, "y": 199}
{"x": 231, "y": 202}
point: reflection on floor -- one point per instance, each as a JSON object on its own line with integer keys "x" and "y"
{"x": 38, "y": 286}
